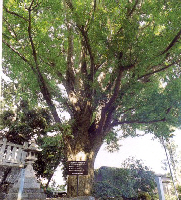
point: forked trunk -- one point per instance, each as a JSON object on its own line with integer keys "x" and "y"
{"x": 83, "y": 146}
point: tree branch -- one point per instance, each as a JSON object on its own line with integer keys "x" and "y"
{"x": 6, "y": 36}
{"x": 83, "y": 62}
{"x": 18, "y": 53}
{"x": 41, "y": 81}
{"x": 116, "y": 122}
{"x": 156, "y": 71}
{"x": 176, "y": 38}
{"x": 94, "y": 5}
{"x": 107, "y": 124}
{"x": 10, "y": 29}
{"x": 128, "y": 67}
{"x": 92, "y": 71}
{"x": 92, "y": 17}
{"x": 31, "y": 39}
{"x": 116, "y": 88}
{"x": 59, "y": 74}
{"x": 70, "y": 77}
{"x": 129, "y": 109}
{"x": 108, "y": 109}
{"x": 16, "y": 14}
{"x": 30, "y": 8}
{"x": 84, "y": 34}
{"x": 133, "y": 9}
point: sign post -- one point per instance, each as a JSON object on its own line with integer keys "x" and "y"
{"x": 77, "y": 168}
{"x": 77, "y": 185}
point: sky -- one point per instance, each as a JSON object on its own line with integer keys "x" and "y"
{"x": 144, "y": 148}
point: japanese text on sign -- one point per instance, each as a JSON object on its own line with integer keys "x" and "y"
{"x": 77, "y": 168}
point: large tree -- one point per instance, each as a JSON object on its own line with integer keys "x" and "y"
{"x": 106, "y": 63}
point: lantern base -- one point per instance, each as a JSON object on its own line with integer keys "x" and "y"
{"x": 30, "y": 187}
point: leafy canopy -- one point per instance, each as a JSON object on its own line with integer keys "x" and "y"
{"x": 115, "y": 63}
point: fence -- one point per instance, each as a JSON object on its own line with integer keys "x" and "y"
{"x": 12, "y": 154}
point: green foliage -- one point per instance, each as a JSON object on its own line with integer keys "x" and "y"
{"x": 6, "y": 118}
{"x": 119, "y": 33}
{"x": 132, "y": 181}
{"x": 179, "y": 191}
{"x": 49, "y": 190}
{"x": 50, "y": 156}
{"x": 112, "y": 141}
{"x": 25, "y": 124}
{"x": 144, "y": 195}
{"x": 28, "y": 123}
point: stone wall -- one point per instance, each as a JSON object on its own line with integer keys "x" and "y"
{"x": 8, "y": 176}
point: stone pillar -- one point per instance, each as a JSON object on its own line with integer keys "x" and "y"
{"x": 2, "y": 149}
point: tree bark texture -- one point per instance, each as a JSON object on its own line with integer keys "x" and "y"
{"x": 81, "y": 149}
{"x": 84, "y": 181}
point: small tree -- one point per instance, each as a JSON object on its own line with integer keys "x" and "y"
{"x": 25, "y": 123}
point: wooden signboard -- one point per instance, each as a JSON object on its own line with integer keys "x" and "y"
{"x": 77, "y": 168}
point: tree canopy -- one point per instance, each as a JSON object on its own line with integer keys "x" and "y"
{"x": 106, "y": 63}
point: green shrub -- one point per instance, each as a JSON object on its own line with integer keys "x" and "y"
{"x": 135, "y": 182}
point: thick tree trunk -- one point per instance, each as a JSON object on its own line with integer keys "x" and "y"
{"x": 85, "y": 181}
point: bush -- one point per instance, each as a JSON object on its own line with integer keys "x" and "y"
{"x": 144, "y": 196}
{"x": 135, "y": 182}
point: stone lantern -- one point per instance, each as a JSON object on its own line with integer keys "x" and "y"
{"x": 31, "y": 189}
{"x": 32, "y": 151}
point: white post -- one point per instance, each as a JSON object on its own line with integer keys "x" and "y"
{"x": 169, "y": 164}
{"x": 19, "y": 154}
{"x": 21, "y": 184}
{"x": 160, "y": 188}
{"x": 14, "y": 154}
{"x": 2, "y": 149}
